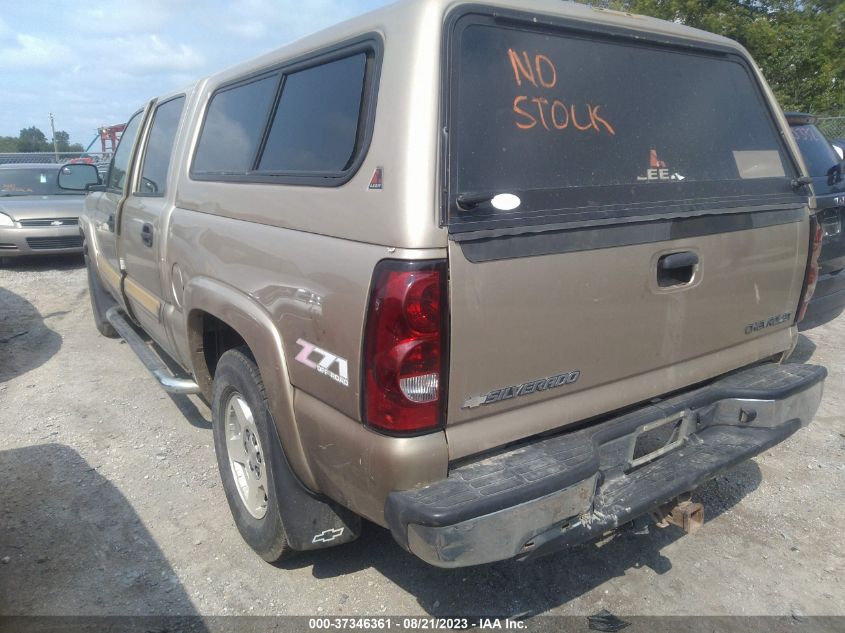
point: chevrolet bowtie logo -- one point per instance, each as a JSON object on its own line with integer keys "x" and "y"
{"x": 327, "y": 535}
{"x": 56, "y": 223}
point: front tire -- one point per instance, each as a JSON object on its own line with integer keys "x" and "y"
{"x": 101, "y": 301}
{"x": 248, "y": 453}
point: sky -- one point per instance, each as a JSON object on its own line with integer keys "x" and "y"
{"x": 94, "y": 63}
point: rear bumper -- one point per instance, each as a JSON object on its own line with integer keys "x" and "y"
{"x": 828, "y": 301}
{"x": 571, "y": 488}
{"x": 18, "y": 241}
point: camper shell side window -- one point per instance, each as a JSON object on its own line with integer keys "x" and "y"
{"x": 306, "y": 122}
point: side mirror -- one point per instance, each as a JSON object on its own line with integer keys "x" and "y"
{"x": 78, "y": 177}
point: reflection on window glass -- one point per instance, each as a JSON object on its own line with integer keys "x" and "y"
{"x": 159, "y": 146}
{"x": 28, "y": 181}
{"x": 233, "y": 128}
{"x": 120, "y": 163}
{"x": 316, "y": 124}
{"x": 819, "y": 155}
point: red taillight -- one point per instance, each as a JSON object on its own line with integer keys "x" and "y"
{"x": 812, "y": 274}
{"x": 405, "y": 347}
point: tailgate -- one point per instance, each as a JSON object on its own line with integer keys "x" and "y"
{"x": 650, "y": 238}
{"x": 518, "y": 322}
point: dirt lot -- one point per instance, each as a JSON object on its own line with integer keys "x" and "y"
{"x": 110, "y": 503}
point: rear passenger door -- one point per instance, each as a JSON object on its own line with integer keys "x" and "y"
{"x": 142, "y": 235}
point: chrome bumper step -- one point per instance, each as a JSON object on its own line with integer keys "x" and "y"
{"x": 160, "y": 371}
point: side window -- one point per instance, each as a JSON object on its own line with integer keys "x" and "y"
{"x": 305, "y": 123}
{"x": 120, "y": 162}
{"x": 159, "y": 147}
{"x": 315, "y": 127}
{"x": 233, "y": 128}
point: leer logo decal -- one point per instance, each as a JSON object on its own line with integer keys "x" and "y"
{"x": 377, "y": 181}
{"x": 326, "y": 536}
{"x": 658, "y": 170}
{"x": 325, "y": 364}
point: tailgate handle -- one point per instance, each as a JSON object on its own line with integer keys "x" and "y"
{"x": 676, "y": 268}
{"x": 147, "y": 234}
{"x": 678, "y": 260}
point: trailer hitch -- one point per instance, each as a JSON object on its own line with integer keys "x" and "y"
{"x": 683, "y": 512}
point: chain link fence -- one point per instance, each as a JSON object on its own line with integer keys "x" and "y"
{"x": 832, "y": 126}
{"x": 54, "y": 157}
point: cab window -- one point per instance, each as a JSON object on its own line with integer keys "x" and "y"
{"x": 159, "y": 147}
{"x": 120, "y": 161}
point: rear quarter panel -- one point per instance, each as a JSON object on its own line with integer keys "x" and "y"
{"x": 314, "y": 288}
{"x": 287, "y": 292}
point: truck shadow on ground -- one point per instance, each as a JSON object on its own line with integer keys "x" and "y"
{"x": 41, "y": 263}
{"x": 196, "y": 412}
{"x": 25, "y": 340}
{"x": 511, "y": 589}
{"x": 71, "y": 543}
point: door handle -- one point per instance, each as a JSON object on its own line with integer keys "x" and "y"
{"x": 676, "y": 269}
{"x": 677, "y": 260}
{"x": 147, "y": 234}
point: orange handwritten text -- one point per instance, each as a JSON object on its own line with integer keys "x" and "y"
{"x": 546, "y": 73}
{"x": 558, "y": 114}
{"x": 547, "y": 112}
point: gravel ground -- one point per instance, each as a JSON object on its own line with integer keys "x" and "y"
{"x": 110, "y": 503}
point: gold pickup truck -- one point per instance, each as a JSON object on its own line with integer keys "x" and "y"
{"x": 500, "y": 276}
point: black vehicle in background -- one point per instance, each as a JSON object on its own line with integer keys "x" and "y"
{"x": 826, "y": 169}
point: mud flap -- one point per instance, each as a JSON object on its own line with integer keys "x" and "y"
{"x": 311, "y": 521}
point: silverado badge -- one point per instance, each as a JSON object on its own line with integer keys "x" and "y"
{"x": 516, "y": 391}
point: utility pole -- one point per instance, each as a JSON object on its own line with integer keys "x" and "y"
{"x": 55, "y": 146}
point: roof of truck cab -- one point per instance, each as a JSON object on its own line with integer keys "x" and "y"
{"x": 383, "y": 19}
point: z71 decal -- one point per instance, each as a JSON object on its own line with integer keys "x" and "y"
{"x": 325, "y": 364}
{"x": 515, "y": 391}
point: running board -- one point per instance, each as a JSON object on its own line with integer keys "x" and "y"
{"x": 160, "y": 371}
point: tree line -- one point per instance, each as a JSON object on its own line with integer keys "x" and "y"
{"x": 798, "y": 44}
{"x": 31, "y": 139}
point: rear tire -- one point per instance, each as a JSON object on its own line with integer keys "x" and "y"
{"x": 101, "y": 301}
{"x": 248, "y": 453}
